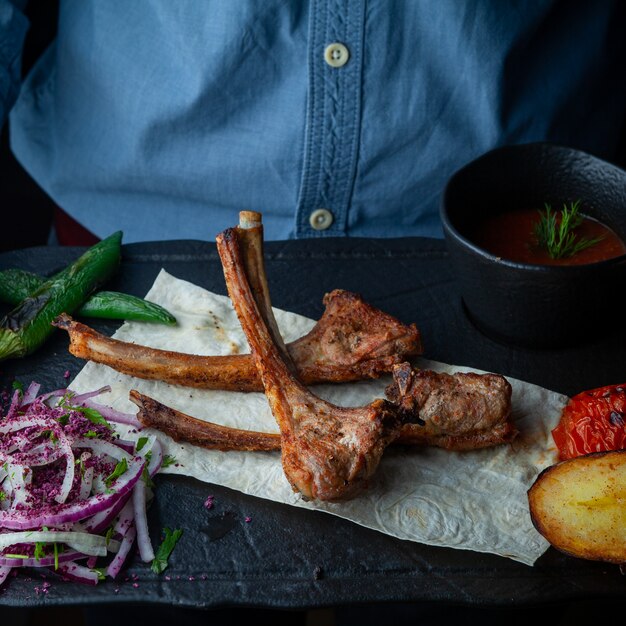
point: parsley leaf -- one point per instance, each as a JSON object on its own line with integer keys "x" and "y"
{"x": 120, "y": 468}
{"x": 159, "y": 563}
{"x": 168, "y": 460}
{"x": 94, "y": 416}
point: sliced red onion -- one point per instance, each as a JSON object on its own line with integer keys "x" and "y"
{"x": 117, "y": 563}
{"x": 93, "y": 545}
{"x": 79, "y": 399}
{"x": 125, "y": 520}
{"x": 7, "y": 487}
{"x": 13, "y": 425}
{"x": 77, "y": 525}
{"x": 79, "y": 573}
{"x": 68, "y": 478}
{"x": 4, "y": 572}
{"x": 18, "y": 477}
{"x": 45, "y": 561}
{"x": 141, "y": 522}
{"x": 112, "y": 415}
{"x": 30, "y": 394}
{"x": 57, "y": 393}
{"x": 40, "y": 455}
{"x": 156, "y": 457}
{"x": 102, "y": 447}
{"x": 100, "y": 521}
{"x": 15, "y": 405}
{"x": 74, "y": 512}
{"x": 127, "y": 445}
{"x": 86, "y": 482}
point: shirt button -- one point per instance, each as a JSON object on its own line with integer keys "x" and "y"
{"x": 321, "y": 219}
{"x": 336, "y": 55}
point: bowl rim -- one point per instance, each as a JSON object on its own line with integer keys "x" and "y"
{"x": 450, "y": 231}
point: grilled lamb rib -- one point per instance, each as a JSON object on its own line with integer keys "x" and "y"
{"x": 460, "y": 411}
{"x": 351, "y": 341}
{"x": 328, "y": 452}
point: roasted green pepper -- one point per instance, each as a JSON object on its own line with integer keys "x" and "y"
{"x": 15, "y": 285}
{"x": 27, "y": 326}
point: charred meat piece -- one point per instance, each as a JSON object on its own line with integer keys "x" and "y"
{"x": 328, "y": 452}
{"x": 460, "y": 411}
{"x": 481, "y": 418}
{"x": 351, "y": 341}
{"x": 184, "y": 428}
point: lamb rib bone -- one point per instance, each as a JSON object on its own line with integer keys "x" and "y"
{"x": 461, "y": 411}
{"x": 328, "y": 452}
{"x": 351, "y": 341}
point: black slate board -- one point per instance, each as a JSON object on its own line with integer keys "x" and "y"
{"x": 288, "y": 558}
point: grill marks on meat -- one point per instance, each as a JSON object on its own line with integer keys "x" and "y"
{"x": 351, "y": 341}
{"x": 353, "y": 338}
{"x": 456, "y": 412}
{"x": 328, "y": 452}
{"x": 460, "y": 411}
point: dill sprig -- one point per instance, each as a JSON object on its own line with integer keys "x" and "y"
{"x": 554, "y": 231}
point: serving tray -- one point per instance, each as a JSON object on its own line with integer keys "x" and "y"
{"x": 248, "y": 552}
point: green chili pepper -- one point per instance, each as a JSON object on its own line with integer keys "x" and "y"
{"x": 27, "y": 326}
{"x": 15, "y": 285}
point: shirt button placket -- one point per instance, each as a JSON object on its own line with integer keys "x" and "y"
{"x": 336, "y": 32}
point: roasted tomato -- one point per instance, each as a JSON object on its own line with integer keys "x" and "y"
{"x": 592, "y": 421}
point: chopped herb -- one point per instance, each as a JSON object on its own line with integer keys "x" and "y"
{"x": 557, "y": 236}
{"x": 145, "y": 475}
{"x": 56, "y": 556}
{"x": 39, "y": 550}
{"x": 159, "y": 563}
{"x": 16, "y": 556}
{"x": 95, "y": 417}
{"x": 101, "y": 571}
{"x": 168, "y": 460}
{"x": 18, "y": 386}
{"x": 120, "y": 468}
{"x": 3, "y": 495}
{"x": 50, "y": 434}
{"x": 81, "y": 465}
{"x": 90, "y": 434}
{"x": 141, "y": 442}
{"x": 109, "y": 535}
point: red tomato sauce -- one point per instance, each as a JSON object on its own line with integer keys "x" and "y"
{"x": 592, "y": 421}
{"x": 511, "y": 236}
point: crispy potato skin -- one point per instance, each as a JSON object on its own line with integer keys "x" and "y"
{"x": 579, "y": 506}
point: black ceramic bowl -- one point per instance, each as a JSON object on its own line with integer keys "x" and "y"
{"x": 532, "y": 305}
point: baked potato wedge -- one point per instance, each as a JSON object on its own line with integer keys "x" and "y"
{"x": 579, "y": 506}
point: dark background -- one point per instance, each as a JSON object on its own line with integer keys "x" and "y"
{"x": 26, "y": 209}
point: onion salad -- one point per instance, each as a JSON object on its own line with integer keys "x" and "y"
{"x": 73, "y": 493}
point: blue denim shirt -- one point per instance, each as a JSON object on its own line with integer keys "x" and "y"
{"x": 165, "y": 118}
